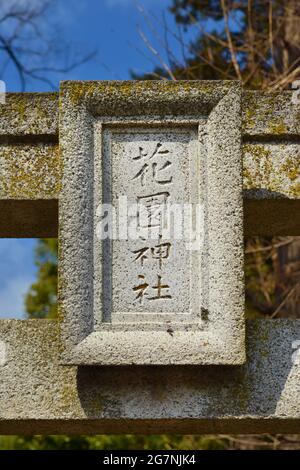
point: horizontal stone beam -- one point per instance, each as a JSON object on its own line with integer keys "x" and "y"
{"x": 271, "y": 217}
{"x": 271, "y": 114}
{"x": 29, "y": 219}
{"x": 29, "y": 115}
{"x": 39, "y": 218}
{"x": 38, "y": 395}
{"x": 30, "y": 164}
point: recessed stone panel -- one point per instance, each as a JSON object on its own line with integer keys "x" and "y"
{"x": 151, "y": 266}
{"x": 150, "y": 177}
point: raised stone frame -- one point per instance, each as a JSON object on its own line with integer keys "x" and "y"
{"x": 213, "y": 108}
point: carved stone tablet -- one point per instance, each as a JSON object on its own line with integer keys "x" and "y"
{"x": 151, "y": 242}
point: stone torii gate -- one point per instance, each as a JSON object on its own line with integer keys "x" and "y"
{"x": 78, "y": 375}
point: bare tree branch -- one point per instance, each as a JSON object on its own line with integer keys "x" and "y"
{"x": 28, "y": 42}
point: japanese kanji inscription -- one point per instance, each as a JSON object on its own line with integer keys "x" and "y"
{"x": 161, "y": 166}
{"x": 151, "y": 266}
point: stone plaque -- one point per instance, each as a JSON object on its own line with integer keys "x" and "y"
{"x": 151, "y": 243}
{"x": 154, "y": 170}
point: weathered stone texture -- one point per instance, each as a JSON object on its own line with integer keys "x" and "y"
{"x": 205, "y": 145}
{"x": 29, "y": 114}
{"x": 267, "y": 114}
{"x": 29, "y": 171}
{"x": 275, "y": 169}
{"x": 37, "y": 394}
{"x": 270, "y": 116}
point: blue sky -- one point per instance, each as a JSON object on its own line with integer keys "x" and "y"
{"x": 111, "y": 28}
{"x": 16, "y": 274}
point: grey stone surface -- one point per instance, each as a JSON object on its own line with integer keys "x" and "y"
{"x": 194, "y": 128}
{"x": 276, "y": 168}
{"x": 29, "y": 171}
{"x": 29, "y": 132}
{"x": 39, "y": 395}
{"x": 34, "y": 116}
{"x": 29, "y": 153}
{"x": 271, "y": 114}
{"x": 29, "y": 114}
{"x": 151, "y": 253}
